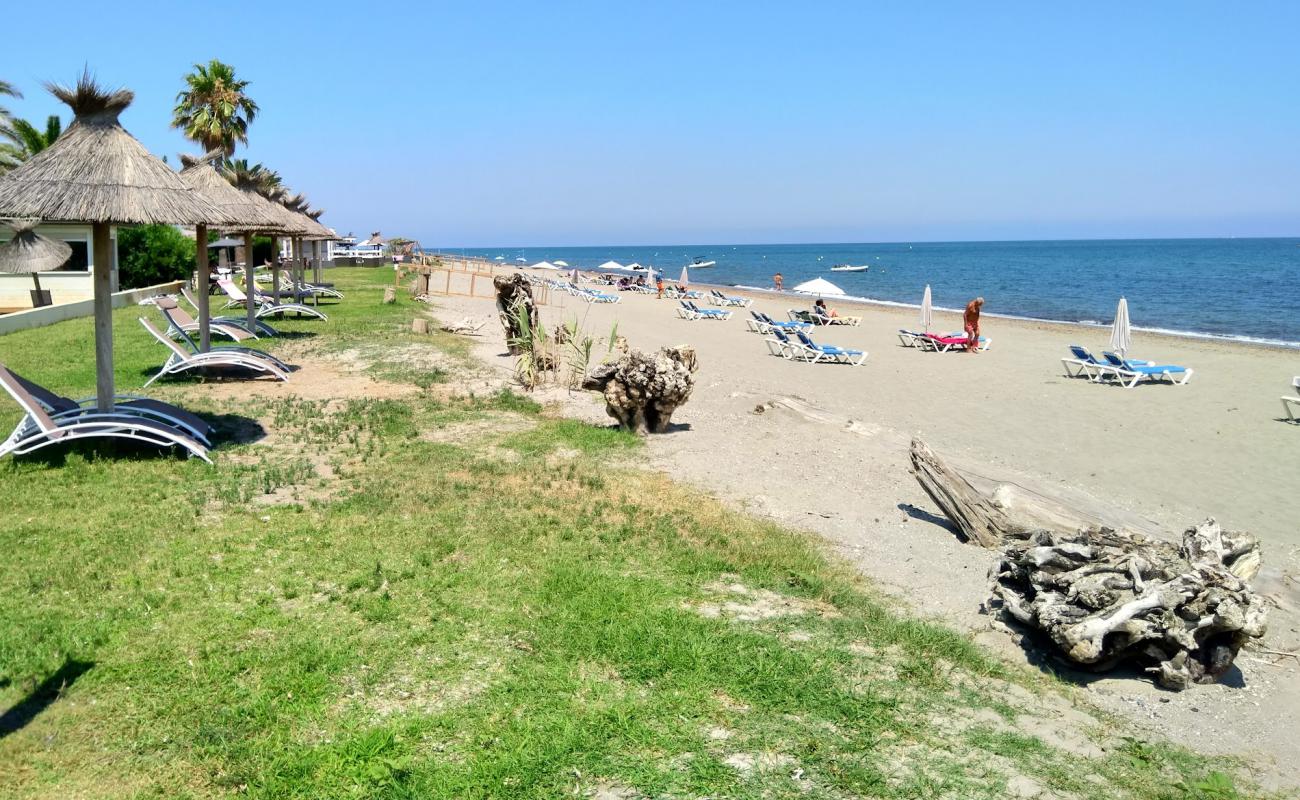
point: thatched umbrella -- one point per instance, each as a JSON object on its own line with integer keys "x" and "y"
{"x": 30, "y": 253}
{"x": 247, "y": 212}
{"x": 96, "y": 172}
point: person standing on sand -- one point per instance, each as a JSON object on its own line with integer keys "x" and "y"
{"x": 659, "y": 284}
{"x": 972, "y": 321}
{"x": 778, "y": 282}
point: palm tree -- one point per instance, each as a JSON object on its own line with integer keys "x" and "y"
{"x": 213, "y": 109}
{"x": 10, "y": 155}
{"x": 31, "y": 139}
{"x": 260, "y": 179}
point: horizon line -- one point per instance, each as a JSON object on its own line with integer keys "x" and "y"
{"x": 882, "y": 242}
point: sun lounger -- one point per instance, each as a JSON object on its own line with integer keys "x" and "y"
{"x": 720, "y": 299}
{"x": 179, "y": 322}
{"x": 818, "y": 318}
{"x": 180, "y": 335}
{"x": 260, "y": 327}
{"x": 310, "y": 289}
{"x": 266, "y": 306}
{"x": 1131, "y": 372}
{"x": 844, "y": 355}
{"x": 705, "y": 313}
{"x": 39, "y": 428}
{"x": 1085, "y": 365}
{"x": 909, "y": 338}
{"x": 58, "y": 406}
{"x": 181, "y": 360}
{"x": 762, "y": 323}
{"x": 1290, "y": 403}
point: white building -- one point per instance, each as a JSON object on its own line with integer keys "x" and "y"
{"x": 71, "y": 282}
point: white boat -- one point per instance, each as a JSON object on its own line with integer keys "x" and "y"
{"x": 849, "y": 268}
{"x": 699, "y": 263}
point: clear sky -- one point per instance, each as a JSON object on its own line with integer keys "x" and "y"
{"x": 558, "y": 123}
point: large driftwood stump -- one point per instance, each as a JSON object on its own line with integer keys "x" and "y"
{"x": 642, "y": 391}
{"x": 515, "y": 297}
{"x": 1105, "y": 597}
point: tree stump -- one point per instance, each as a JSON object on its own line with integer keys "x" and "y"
{"x": 1105, "y": 597}
{"x": 390, "y": 295}
{"x": 419, "y": 325}
{"x": 516, "y": 309}
{"x": 642, "y": 391}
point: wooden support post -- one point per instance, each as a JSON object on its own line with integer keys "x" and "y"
{"x": 103, "y": 284}
{"x": 275, "y": 272}
{"x": 248, "y": 282}
{"x": 202, "y": 286}
{"x": 315, "y": 257}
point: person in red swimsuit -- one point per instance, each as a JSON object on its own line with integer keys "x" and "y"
{"x": 972, "y": 322}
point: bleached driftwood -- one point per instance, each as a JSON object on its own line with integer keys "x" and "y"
{"x": 515, "y": 297}
{"x": 1105, "y": 597}
{"x": 641, "y": 390}
{"x": 466, "y": 327}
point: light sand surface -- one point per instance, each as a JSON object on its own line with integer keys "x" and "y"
{"x": 835, "y": 462}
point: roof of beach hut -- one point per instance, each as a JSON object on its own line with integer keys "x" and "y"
{"x": 29, "y": 251}
{"x": 243, "y": 210}
{"x": 97, "y": 172}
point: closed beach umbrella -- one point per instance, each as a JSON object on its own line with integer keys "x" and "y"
{"x": 927, "y": 312}
{"x": 686, "y": 278}
{"x": 1121, "y": 335}
{"x": 98, "y": 173}
{"x": 30, "y": 253}
{"x": 819, "y": 286}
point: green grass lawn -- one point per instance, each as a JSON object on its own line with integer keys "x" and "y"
{"x": 461, "y": 597}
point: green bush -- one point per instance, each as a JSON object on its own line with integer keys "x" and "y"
{"x": 152, "y": 254}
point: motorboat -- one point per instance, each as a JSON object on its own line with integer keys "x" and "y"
{"x": 699, "y": 263}
{"x": 849, "y": 268}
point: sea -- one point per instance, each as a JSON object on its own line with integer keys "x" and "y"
{"x": 1239, "y": 289}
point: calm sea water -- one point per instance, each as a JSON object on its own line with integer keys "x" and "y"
{"x": 1232, "y": 288}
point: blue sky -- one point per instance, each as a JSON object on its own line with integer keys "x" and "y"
{"x": 512, "y": 124}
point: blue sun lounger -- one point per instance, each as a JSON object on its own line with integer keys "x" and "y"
{"x": 840, "y": 355}
{"x": 1131, "y": 371}
{"x": 1085, "y": 364}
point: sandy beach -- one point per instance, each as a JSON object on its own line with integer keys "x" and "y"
{"x": 828, "y": 453}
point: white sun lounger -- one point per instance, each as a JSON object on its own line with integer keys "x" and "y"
{"x": 1290, "y": 403}
{"x": 182, "y": 361}
{"x": 39, "y": 429}
{"x": 259, "y": 326}
{"x": 266, "y": 307}
{"x": 58, "y": 406}
{"x": 180, "y": 323}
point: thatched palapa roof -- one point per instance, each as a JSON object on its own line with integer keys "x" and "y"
{"x": 30, "y": 252}
{"x": 246, "y": 211}
{"x": 97, "y": 172}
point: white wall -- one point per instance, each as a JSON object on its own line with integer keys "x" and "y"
{"x": 65, "y": 286}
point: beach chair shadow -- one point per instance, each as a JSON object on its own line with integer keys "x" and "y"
{"x": 42, "y": 696}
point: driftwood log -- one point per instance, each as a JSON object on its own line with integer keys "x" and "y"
{"x": 514, "y": 292}
{"x": 1105, "y": 597}
{"x": 642, "y": 390}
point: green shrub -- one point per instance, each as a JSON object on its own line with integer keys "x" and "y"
{"x": 151, "y": 254}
